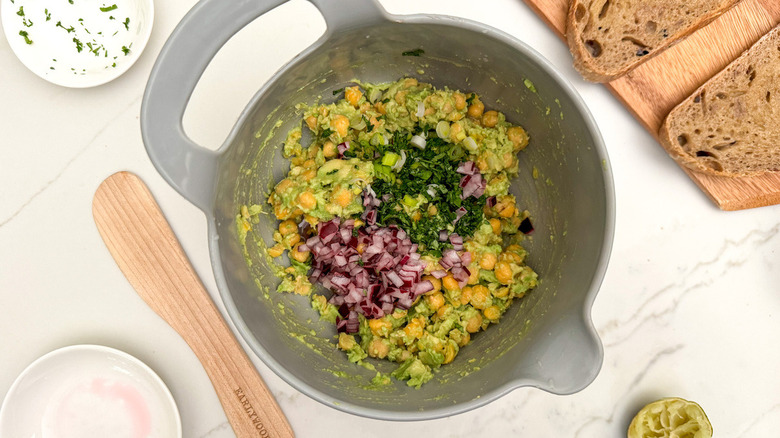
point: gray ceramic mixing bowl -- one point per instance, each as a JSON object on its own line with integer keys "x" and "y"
{"x": 546, "y": 340}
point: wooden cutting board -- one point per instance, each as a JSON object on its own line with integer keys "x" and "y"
{"x": 655, "y": 87}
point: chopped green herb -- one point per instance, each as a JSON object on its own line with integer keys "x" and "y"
{"x": 21, "y": 11}
{"x": 127, "y": 23}
{"x": 108, "y": 8}
{"x": 67, "y": 29}
{"x": 415, "y": 52}
{"x": 125, "y": 50}
{"x": 70, "y": 1}
{"x": 27, "y": 23}
{"x": 48, "y": 14}
{"x": 51, "y": 68}
{"x": 470, "y": 99}
{"x": 335, "y": 92}
{"x": 24, "y": 34}
{"x": 79, "y": 46}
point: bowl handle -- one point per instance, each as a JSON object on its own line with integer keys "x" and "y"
{"x": 186, "y": 166}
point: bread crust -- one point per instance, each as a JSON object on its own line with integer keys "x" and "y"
{"x": 669, "y": 138}
{"x": 583, "y": 61}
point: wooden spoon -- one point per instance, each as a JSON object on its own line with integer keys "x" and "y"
{"x": 148, "y": 253}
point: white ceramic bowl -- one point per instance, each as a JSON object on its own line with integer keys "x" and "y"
{"x": 77, "y": 43}
{"x": 89, "y": 391}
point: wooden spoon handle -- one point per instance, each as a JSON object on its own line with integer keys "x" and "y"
{"x": 148, "y": 253}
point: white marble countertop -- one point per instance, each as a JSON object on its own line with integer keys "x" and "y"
{"x": 690, "y": 305}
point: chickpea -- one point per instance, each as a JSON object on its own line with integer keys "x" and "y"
{"x": 463, "y": 339}
{"x": 434, "y": 281}
{"x": 465, "y": 295}
{"x": 307, "y": 201}
{"x": 400, "y": 97}
{"x": 488, "y": 261}
{"x": 474, "y": 323}
{"x": 308, "y": 175}
{"x": 410, "y": 82}
{"x": 450, "y": 351}
{"x": 378, "y": 348}
{"x": 343, "y": 198}
{"x": 450, "y": 283}
{"x": 353, "y": 95}
{"x": 329, "y": 149}
{"x": 275, "y": 251}
{"x": 457, "y": 133}
{"x": 311, "y": 122}
{"x": 474, "y": 276}
{"x": 492, "y": 313}
{"x": 496, "y": 225}
{"x": 460, "y": 101}
{"x": 443, "y": 311}
{"x": 476, "y": 108}
{"x": 340, "y": 124}
{"x": 308, "y": 164}
{"x": 288, "y": 227}
{"x": 416, "y": 215}
{"x": 414, "y": 329}
{"x": 479, "y": 296}
{"x": 291, "y": 239}
{"x": 504, "y": 272}
{"x": 435, "y": 300}
{"x": 346, "y": 341}
{"x": 490, "y": 119}
{"x": 299, "y": 255}
{"x": 380, "y": 326}
{"x": 283, "y": 185}
{"x": 432, "y": 210}
{"x": 501, "y": 292}
{"x": 518, "y": 137}
{"x": 508, "y": 211}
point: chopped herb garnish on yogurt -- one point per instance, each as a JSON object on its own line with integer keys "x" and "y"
{"x": 67, "y": 29}
{"x": 127, "y": 23}
{"x": 125, "y": 50}
{"x": 70, "y": 1}
{"x": 27, "y": 23}
{"x": 21, "y": 11}
{"x": 26, "y": 36}
{"x": 48, "y": 14}
{"x": 108, "y": 8}
{"x": 79, "y": 46}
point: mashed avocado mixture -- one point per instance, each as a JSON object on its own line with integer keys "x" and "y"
{"x": 433, "y": 167}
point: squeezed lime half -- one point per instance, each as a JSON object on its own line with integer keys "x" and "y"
{"x": 670, "y": 418}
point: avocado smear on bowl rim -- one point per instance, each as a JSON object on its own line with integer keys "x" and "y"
{"x": 400, "y": 208}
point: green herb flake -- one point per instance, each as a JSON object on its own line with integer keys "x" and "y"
{"x": 79, "y": 45}
{"x": 125, "y": 50}
{"x": 24, "y": 34}
{"x": 415, "y": 52}
{"x": 127, "y": 23}
{"x": 335, "y": 92}
{"x": 70, "y": 1}
{"x": 108, "y": 8}
{"x": 27, "y": 23}
{"x": 21, "y": 11}
{"x": 48, "y": 14}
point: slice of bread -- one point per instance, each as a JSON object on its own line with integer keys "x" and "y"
{"x": 731, "y": 125}
{"x": 610, "y": 37}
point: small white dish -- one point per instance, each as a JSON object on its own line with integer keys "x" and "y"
{"x": 89, "y": 391}
{"x": 77, "y": 43}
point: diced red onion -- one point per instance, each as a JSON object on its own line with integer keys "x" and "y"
{"x": 456, "y": 241}
{"x": 387, "y": 275}
{"x": 343, "y": 147}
